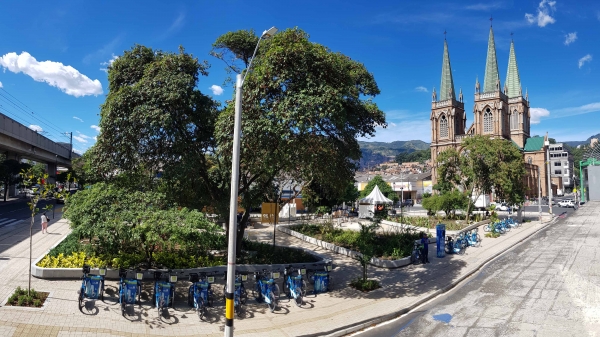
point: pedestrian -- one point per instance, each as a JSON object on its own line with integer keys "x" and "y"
{"x": 44, "y": 223}
{"x": 425, "y": 252}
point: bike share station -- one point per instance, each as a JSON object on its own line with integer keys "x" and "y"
{"x": 297, "y": 280}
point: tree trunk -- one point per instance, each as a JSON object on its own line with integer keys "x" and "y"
{"x": 6, "y": 186}
{"x": 30, "y": 252}
{"x": 241, "y": 231}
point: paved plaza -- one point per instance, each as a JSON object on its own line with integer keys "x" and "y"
{"x": 335, "y": 313}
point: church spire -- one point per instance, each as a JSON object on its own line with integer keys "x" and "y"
{"x": 513, "y": 82}
{"x": 447, "y": 86}
{"x": 492, "y": 78}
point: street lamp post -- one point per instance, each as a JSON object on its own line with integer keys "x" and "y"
{"x": 547, "y": 143}
{"x": 233, "y": 201}
{"x": 539, "y": 194}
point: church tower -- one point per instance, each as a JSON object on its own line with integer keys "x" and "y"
{"x": 518, "y": 107}
{"x": 491, "y": 104}
{"x": 448, "y": 117}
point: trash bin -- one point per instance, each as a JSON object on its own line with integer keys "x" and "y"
{"x": 440, "y": 231}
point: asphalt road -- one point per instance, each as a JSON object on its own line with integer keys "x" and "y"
{"x": 548, "y": 286}
{"x": 14, "y": 212}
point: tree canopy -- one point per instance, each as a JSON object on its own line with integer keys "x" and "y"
{"x": 483, "y": 164}
{"x": 384, "y": 187}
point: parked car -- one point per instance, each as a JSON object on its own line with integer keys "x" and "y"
{"x": 407, "y": 203}
{"x": 566, "y": 203}
{"x": 503, "y": 207}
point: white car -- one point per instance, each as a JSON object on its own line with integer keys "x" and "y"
{"x": 566, "y": 203}
{"x": 503, "y": 207}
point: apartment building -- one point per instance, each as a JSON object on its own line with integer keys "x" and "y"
{"x": 561, "y": 167}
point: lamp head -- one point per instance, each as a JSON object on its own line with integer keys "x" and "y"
{"x": 269, "y": 33}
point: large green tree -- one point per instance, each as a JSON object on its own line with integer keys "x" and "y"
{"x": 481, "y": 165}
{"x": 9, "y": 173}
{"x": 304, "y": 107}
{"x": 155, "y": 119}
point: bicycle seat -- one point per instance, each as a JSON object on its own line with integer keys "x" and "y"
{"x": 122, "y": 273}
{"x": 157, "y": 275}
{"x": 86, "y": 269}
{"x": 193, "y": 277}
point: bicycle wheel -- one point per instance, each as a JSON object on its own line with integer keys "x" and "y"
{"x": 507, "y": 228}
{"x": 275, "y": 291}
{"x": 122, "y": 300}
{"x": 330, "y": 283}
{"x": 272, "y": 302}
{"x": 201, "y": 310}
{"x": 243, "y": 296}
{"x": 304, "y": 287}
{"x": 486, "y": 228}
{"x": 191, "y": 296}
{"x": 298, "y": 300}
{"x": 81, "y": 299}
{"x": 414, "y": 257}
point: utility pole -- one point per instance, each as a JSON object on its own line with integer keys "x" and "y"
{"x": 547, "y": 143}
{"x": 539, "y": 194}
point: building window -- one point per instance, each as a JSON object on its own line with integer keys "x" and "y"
{"x": 514, "y": 120}
{"x": 565, "y": 154}
{"x": 556, "y": 163}
{"x": 487, "y": 121}
{"x": 529, "y": 160}
{"x": 443, "y": 127}
{"x": 557, "y": 172}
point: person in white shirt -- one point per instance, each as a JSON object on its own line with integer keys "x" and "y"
{"x": 44, "y": 223}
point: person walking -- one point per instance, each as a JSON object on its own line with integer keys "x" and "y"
{"x": 44, "y": 223}
{"x": 425, "y": 252}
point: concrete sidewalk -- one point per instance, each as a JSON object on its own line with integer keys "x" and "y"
{"x": 335, "y": 313}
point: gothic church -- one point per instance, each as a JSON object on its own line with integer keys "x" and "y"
{"x": 499, "y": 111}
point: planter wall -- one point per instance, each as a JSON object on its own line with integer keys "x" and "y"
{"x": 348, "y": 252}
{"x": 75, "y": 273}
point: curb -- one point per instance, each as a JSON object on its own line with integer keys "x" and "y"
{"x": 365, "y": 324}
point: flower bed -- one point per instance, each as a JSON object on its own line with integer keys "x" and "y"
{"x": 72, "y": 253}
{"x": 35, "y": 299}
{"x": 430, "y": 222}
{"x": 389, "y": 245}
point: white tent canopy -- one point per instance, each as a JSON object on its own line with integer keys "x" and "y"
{"x": 376, "y": 198}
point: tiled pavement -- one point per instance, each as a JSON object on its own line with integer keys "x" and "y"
{"x": 320, "y": 315}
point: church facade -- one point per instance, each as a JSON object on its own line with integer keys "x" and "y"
{"x": 499, "y": 111}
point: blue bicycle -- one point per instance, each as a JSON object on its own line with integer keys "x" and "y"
{"x": 473, "y": 238}
{"x": 200, "y": 294}
{"x": 460, "y": 244}
{"x": 129, "y": 289}
{"x": 240, "y": 296}
{"x": 92, "y": 286}
{"x": 164, "y": 291}
{"x": 266, "y": 288}
{"x": 294, "y": 285}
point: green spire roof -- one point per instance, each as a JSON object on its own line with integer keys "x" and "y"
{"x": 491, "y": 66}
{"x": 513, "y": 81}
{"x": 447, "y": 83}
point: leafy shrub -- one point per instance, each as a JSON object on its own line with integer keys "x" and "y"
{"x": 20, "y": 298}
{"x": 37, "y": 303}
{"x": 364, "y": 285}
{"x": 75, "y": 260}
{"x": 71, "y": 244}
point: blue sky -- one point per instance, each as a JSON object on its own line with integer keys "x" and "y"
{"x": 53, "y": 54}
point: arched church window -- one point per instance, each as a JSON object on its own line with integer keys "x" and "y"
{"x": 514, "y": 120}
{"x": 443, "y": 127}
{"x": 487, "y": 121}
{"x": 529, "y": 160}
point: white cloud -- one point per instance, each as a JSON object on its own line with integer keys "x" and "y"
{"x": 83, "y": 136}
{"x": 108, "y": 63}
{"x": 543, "y": 18}
{"x": 0, "y": 84}
{"x": 175, "y": 26}
{"x": 78, "y": 151}
{"x": 66, "y": 78}
{"x": 583, "y": 60}
{"x": 95, "y": 138}
{"x": 570, "y": 38}
{"x": 421, "y": 89}
{"x": 537, "y": 113}
{"x": 77, "y": 118}
{"x": 95, "y": 127}
{"x": 579, "y": 110}
{"x": 216, "y": 90}
{"x": 402, "y": 125}
{"x": 36, "y": 128}
{"x": 80, "y": 139}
